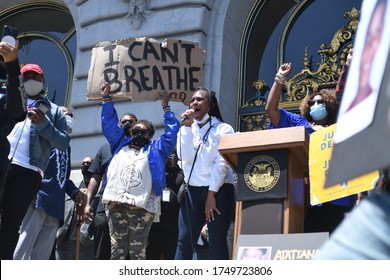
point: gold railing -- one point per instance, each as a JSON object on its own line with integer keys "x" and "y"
{"x": 332, "y": 59}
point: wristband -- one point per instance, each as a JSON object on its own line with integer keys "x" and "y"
{"x": 106, "y": 98}
{"x": 167, "y": 109}
{"x": 280, "y": 79}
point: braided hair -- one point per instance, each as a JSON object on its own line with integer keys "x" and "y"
{"x": 214, "y": 107}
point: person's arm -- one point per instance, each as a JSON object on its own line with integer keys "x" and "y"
{"x": 54, "y": 131}
{"x": 14, "y": 108}
{"x": 74, "y": 192}
{"x": 219, "y": 171}
{"x": 70, "y": 187}
{"x": 276, "y": 91}
{"x": 110, "y": 119}
{"x": 169, "y": 138}
{"x": 220, "y": 166}
{"x": 92, "y": 190}
{"x": 185, "y": 139}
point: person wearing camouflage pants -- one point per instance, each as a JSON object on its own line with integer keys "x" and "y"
{"x": 135, "y": 177}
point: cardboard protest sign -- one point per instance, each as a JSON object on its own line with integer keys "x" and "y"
{"x": 138, "y": 68}
{"x": 320, "y": 152}
{"x": 362, "y": 136}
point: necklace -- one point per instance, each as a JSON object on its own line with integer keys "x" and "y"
{"x": 316, "y": 127}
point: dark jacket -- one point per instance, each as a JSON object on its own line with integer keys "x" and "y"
{"x": 170, "y": 210}
{"x": 11, "y": 110}
{"x": 50, "y": 133}
{"x": 51, "y": 194}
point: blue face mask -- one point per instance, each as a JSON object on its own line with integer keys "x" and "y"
{"x": 318, "y": 112}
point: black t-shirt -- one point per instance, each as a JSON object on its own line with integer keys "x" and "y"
{"x": 170, "y": 210}
{"x": 99, "y": 166}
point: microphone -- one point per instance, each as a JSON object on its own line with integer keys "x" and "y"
{"x": 186, "y": 116}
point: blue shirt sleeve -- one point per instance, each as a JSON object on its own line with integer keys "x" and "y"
{"x": 288, "y": 119}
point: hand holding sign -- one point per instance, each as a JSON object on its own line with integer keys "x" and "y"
{"x": 105, "y": 89}
{"x": 164, "y": 96}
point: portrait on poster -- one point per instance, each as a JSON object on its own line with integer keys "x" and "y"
{"x": 254, "y": 253}
{"x": 368, "y": 64}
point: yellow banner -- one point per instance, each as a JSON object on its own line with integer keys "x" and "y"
{"x": 320, "y": 153}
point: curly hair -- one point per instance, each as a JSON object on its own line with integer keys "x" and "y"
{"x": 148, "y": 124}
{"x": 331, "y": 105}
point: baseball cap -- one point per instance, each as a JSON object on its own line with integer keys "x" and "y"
{"x": 31, "y": 67}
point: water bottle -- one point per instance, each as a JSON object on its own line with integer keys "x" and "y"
{"x": 84, "y": 228}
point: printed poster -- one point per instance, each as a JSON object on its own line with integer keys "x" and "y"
{"x": 320, "y": 153}
{"x": 365, "y": 75}
{"x": 363, "y": 126}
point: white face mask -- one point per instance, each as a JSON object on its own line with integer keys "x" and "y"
{"x": 32, "y": 87}
{"x": 318, "y": 112}
{"x": 204, "y": 119}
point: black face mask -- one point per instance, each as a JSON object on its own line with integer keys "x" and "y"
{"x": 140, "y": 141}
{"x": 84, "y": 170}
{"x": 126, "y": 128}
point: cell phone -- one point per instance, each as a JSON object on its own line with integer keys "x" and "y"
{"x": 9, "y": 35}
{"x": 42, "y": 108}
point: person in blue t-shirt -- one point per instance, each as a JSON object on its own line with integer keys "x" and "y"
{"x": 318, "y": 110}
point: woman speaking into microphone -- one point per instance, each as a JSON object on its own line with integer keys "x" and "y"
{"x": 210, "y": 196}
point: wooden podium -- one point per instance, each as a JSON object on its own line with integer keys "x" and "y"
{"x": 271, "y": 166}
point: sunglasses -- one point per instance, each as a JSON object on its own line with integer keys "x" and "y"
{"x": 312, "y": 102}
{"x": 140, "y": 132}
{"x": 127, "y": 121}
{"x": 33, "y": 76}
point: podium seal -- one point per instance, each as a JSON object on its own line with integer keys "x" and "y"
{"x": 262, "y": 173}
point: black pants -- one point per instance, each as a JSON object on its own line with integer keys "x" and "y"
{"x": 325, "y": 218}
{"x": 21, "y": 186}
{"x": 161, "y": 245}
{"x": 102, "y": 237}
{"x": 3, "y": 176}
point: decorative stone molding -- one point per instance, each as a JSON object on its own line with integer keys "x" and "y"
{"x": 137, "y": 11}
